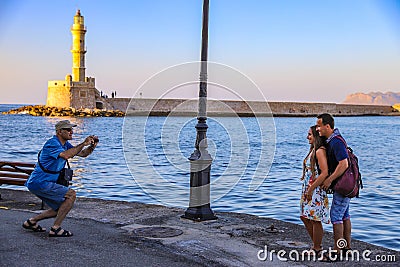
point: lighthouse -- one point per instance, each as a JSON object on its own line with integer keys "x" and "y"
{"x": 78, "y": 51}
{"x": 76, "y": 91}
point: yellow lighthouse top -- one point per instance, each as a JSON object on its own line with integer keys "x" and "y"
{"x": 78, "y": 18}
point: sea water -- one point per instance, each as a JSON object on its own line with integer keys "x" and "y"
{"x": 144, "y": 159}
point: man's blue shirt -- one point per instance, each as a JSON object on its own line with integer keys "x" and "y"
{"x": 49, "y": 159}
{"x": 336, "y": 151}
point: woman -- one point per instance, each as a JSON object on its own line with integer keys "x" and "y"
{"x": 314, "y": 203}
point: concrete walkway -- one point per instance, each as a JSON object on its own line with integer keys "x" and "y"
{"x": 93, "y": 244}
{"x": 115, "y": 233}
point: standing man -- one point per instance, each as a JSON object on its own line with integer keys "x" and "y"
{"x": 337, "y": 165}
{"x": 53, "y": 156}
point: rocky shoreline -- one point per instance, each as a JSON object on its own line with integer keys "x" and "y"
{"x": 40, "y": 110}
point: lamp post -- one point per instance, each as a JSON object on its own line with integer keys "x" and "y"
{"x": 200, "y": 161}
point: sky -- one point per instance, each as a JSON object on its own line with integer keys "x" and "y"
{"x": 293, "y": 50}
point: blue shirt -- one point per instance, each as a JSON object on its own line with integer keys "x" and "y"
{"x": 49, "y": 159}
{"x": 336, "y": 151}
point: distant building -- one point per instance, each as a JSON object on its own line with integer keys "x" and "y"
{"x": 76, "y": 91}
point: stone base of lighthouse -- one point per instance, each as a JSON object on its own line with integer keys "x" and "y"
{"x": 67, "y": 93}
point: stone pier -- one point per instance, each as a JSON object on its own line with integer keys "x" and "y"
{"x": 162, "y": 107}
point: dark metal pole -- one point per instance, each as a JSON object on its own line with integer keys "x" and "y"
{"x": 200, "y": 160}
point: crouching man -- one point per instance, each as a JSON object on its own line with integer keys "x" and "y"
{"x": 43, "y": 180}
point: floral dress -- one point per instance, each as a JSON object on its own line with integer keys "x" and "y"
{"x": 318, "y": 208}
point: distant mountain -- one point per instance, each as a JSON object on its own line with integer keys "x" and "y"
{"x": 373, "y": 98}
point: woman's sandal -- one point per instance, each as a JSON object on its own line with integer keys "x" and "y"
{"x": 316, "y": 252}
{"x": 33, "y": 226}
{"x": 56, "y": 232}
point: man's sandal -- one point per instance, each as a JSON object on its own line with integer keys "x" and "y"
{"x": 33, "y": 226}
{"x": 345, "y": 250}
{"x": 331, "y": 257}
{"x": 57, "y": 233}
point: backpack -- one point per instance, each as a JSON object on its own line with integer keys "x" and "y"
{"x": 350, "y": 182}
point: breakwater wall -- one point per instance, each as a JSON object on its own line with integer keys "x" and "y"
{"x": 184, "y": 107}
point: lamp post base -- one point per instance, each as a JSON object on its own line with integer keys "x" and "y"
{"x": 201, "y": 213}
{"x": 199, "y": 204}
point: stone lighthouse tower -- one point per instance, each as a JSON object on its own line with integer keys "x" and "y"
{"x": 78, "y": 51}
{"x": 76, "y": 91}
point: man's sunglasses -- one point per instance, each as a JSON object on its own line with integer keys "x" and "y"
{"x": 67, "y": 129}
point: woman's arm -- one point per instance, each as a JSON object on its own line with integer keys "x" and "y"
{"x": 323, "y": 166}
{"x": 340, "y": 169}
